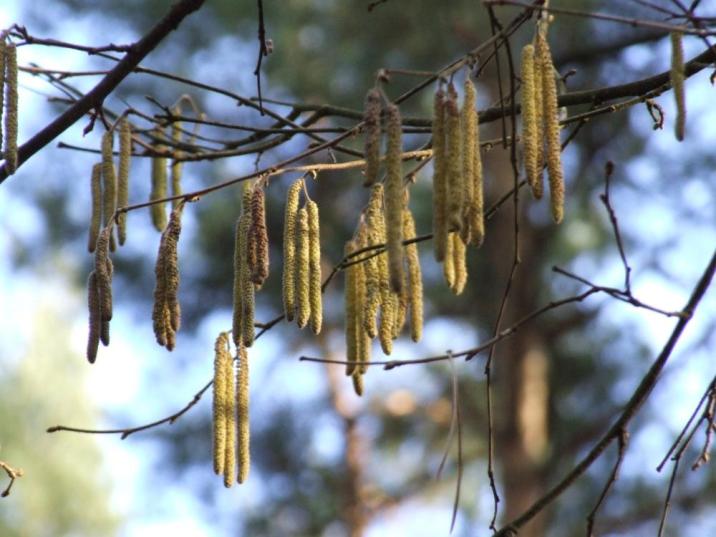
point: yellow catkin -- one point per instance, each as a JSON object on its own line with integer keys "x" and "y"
{"x": 11, "y": 109}
{"x": 449, "y": 263}
{"x": 553, "y": 149}
{"x": 371, "y": 118}
{"x": 109, "y": 182}
{"x": 538, "y": 187}
{"x": 96, "y": 206}
{"x": 242, "y": 411}
{"x": 393, "y": 203}
{"x": 477, "y": 203}
{"x": 363, "y": 340}
{"x": 357, "y": 379}
{"x": 468, "y": 136}
{"x": 402, "y": 304}
{"x": 125, "y": 154}
{"x": 459, "y": 263}
{"x": 177, "y": 165}
{"x": 166, "y": 314}
{"x": 258, "y": 258}
{"x": 303, "y": 303}
{"x": 677, "y": 82}
{"x": 230, "y": 414}
{"x": 351, "y": 309}
{"x": 529, "y": 121}
{"x": 314, "y": 244}
{"x": 415, "y": 278}
{"x": 243, "y": 320}
{"x": 3, "y": 46}
{"x": 94, "y": 317}
{"x": 219, "y": 403}
{"x": 388, "y": 299}
{"x": 289, "y": 249}
{"x": 103, "y": 270}
{"x": 374, "y": 222}
{"x": 440, "y": 186}
{"x": 159, "y": 186}
{"x": 453, "y": 166}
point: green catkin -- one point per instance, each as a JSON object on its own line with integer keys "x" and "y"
{"x": 11, "y": 109}
{"x": 242, "y": 411}
{"x": 109, "y": 183}
{"x": 159, "y": 186}
{"x": 166, "y": 313}
{"x": 459, "y": 264}
{"x": 303, "y": 303}
{"x": 230, "y": 416}
{"x": 374, "y": 219}
{"x": 440, "y": 186}
{"x": 677, "y": 82}
{"x": 529, "y": 121}
{"x": 455, "y": 194}
{"x": 415, "y": 279}
{"x": 402, "y": 304}
{"x": 177, "y": 165}
{"x": 314, "y": 245}
{"x": 388, "y": 299}
{"x": 258, "y": 258}
{"x": 3, "y": 46}
{"x": 219, "y": 403}
{"x": 477, "y": 203}
{"x": 371, "y": 119}
{"x": 449, "y": 263}
{"x": 125, "y": 153}
{"x": 246, "y": 286}
{"x": 103, "y": 270}
{"x": 363, "y": 343}
{"x": 94, "y": 317}
{"x": 553, "y": 149}
{"x": 468, "y": 130}
{"x": 538, "y": 188}
{"x": 357, "y": 379}
{"x": 289, "y": 249}
{"x": 387, "y": 319}
{"x": 393, "y": 202}
{"x": 351, "y": 309}
{"x": 96, "y": 211}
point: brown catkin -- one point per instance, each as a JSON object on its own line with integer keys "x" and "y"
{"x": 242, "y": 411}
{"x": 303, "y": 303}
{"x": 415, "y": 278}
{"x": 393, "y": 202}
{"x": 677, "y": 82}
{"x": 103, "y": 271}
{"x": 96, "y": 208}
{"x": 459, "y": 264}
{"x": 551, "y": 128}
{"x": 3, "y": 46}
{"x": 104, "y": 333}
{"x": 455, "y": 193}
{"x": 166, "y": 314}
{"x": 230, "y": 416}
{"x": 371, "y": 119}
{"x": 159, "y": 186}
{"x": 109, "y": 183}
{"x": 449, "y": 263}
{"x": 529, "y": 121}
{"x": 95, "y": 318}
{"x": 125, "y": 154}
{"x": 221, "y": 355}
{"x": 440, "y": 186}
{"x": 244, "y": 289}
{"x": 177, "y": 165}
{"x": 314, "y": 245}
{"x": 374, "y": 223}
{"x": 468, "y": 136}
{"x": 289, "y": 249}
{"x": 258, "y": 258}
{"x": 11, "y": 109}
{"x": 351, "y": 309}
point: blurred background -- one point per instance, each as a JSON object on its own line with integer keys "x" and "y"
{"x": 325, "y": 462}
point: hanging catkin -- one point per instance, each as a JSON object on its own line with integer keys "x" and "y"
{"x": 96, "y": 214}
{"x": 477, "y": 210}
{"x": 371, "y": 119}
{"x": 363, "y": 343}
{"x": 303, "y": 303}
{"x": 103, "y": 272}
{"x": 459, "y": 264}
{"x": 393, "y": 203}
{"x": 677, "y": 82}
{"x": 357, "y": 379}
{"x": 258, "y": 244}
{"x": 109, "y": 183}
{"x": 11, "y": 110}
{"x": 351, "y": 308}
{"x": 230, "y": 416}
{"x": 3, "y": 46}
{"x": 455, "y": 190}
{"x": 551, "y": 129}
{"x": 243, "y": 320}
{"x": 177, "y": 165}
{"x": 314, "y": 245}
{"x": 159, "y": 185}
{"x": 539, "y": 121}
{"x": 529, "y": 121}
{"x": 221, "y": 356}
{"x": 125, "y": 153}
{"x": 289, "y": 249}
{"x": 415, "y": 279}
{"x": 449, "y": 263}
{"x": 374, "y": 223}
{"x": 468, "y": 129}
{"x": 440, "y": 186}
{"x": 242, "y": 411}
{"x": 94, "y": 317}
{"x": 166, "y": 314}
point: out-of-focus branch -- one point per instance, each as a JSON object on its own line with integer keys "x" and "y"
{"x": 13, "y": 474}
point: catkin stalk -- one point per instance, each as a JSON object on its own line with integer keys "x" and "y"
{"x": 289, "y": 249}
{"x": 159, "y": 186}
{"x": 95, "y": 318}
{"x": 371, "y": 119}
{"x": 242, "y": 411}
{"x": 440, "y": 186}
{"x": 314, "y": 245}
{"x": 303, "y": 303}
{"x": 125, "y": 153}
{"x": 258, "y": 258}
{"x": 393, "y": 202}
{"x": 455, "y": 192}
{"x": 11, "y": 109}
{"x": 219, "y": 402}
{"x": 677, "y": 82}
{"x": 415, "y": 278}
{"x": 96, "y": 211}
{"x": 529, "y": 121}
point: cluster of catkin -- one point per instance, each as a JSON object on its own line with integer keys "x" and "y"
{"x": 166, "y": 314}
{"x": 458, "y": 207}
{"x": 8, "y": 103}
{"x": 301, "y": 285}
{"x": 230, "y": 412}
{"x": 540, "y": 123}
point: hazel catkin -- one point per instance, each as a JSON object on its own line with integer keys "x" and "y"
{"x": 11, "y": 109}
{"x": 454, "y": 172}
{"x": 303, "y": 304}
{"x": 440, "y": 186}
{"x": 166, "y": 314}
{"x": 96, "y": 206}
{"x": 103, "y": 271}
{"x": 258, "y": 244}
{"x": 529, "y": 120}
{"x": 159, "y": 186}
{"x": 468, "y": 136}
{"x": 351, "y": 305}
{"x": 373, "y": 264}
{"x": 289, "y": 249}
{"x": 459, "y": 264}
{"x": 177, "y": 165}
{"x": 3, "y": 46}
{"x": 371, "y": 119}
{"x": 677, "y": 82}
{"x": 109, "y": 183}
{"x": 95, "y": 318}
{"x": 393, "y": 202}
{"x": 221, "y": 356}
{"x": 415, "y": 279}
{"x": 125, "y": 153}
{"x": 314, "y": 246}
{"x": 242, "y": 414}
{"x": 230, "y": 416}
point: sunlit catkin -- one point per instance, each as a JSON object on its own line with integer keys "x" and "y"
{"x": 243, "y": 316}
{"x": 314, "y": 244}
{"x": 363, "y": 341}
{"x": 440, "y": 186}
{"x": 103, "y": 270}
{"x": 221, "y": 356}
{"x": 230, "y": 416}
{"x": 96, "y": 206}
{"x": 371, "y": 119}
{"x": 677, "y": 82}
{"x": 373, "y": 264}
{"x": 350, "y": 302}
{"x": 159, "y": 186}
{"x": 529, "y": 121}
{"x": 258, "y": 259}
{"x": 455, "y": 190}
{"x": 125, "y": 153}
{"x": 553, "y": 151}
{"x": 538, "y": 189}
{"x": 242, "y": 413}
{"x": 289, "y": 249}
{"x": 459, "y": 264}
{"x": 95, "y": 318}
{"x": 393, "y": 202}
{"x": 177, "y": 165}
{"x": 388, "y": 313}
{"x": 415, "y": 278}
{"x": 468, "y": 129}
{"x": 303, "y": 303}
{"x": 477, "y": 207}
{"x": 11, "y": 109}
